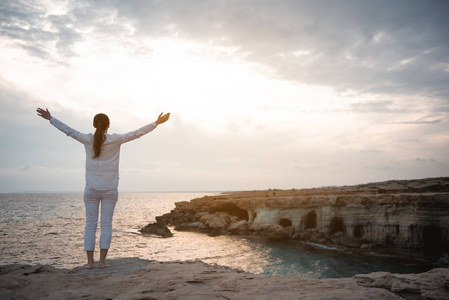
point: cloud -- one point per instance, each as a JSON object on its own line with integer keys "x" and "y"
{"x": 417, "y": 122}
{"x": 370, "y": 47}
{"x": 386, "y": 61}
{"x": 384, "y": 47}
{"x": 383, "y": 106}
{"x": 27, "y": 23}
{"x": 381, "y": 168}
{"x": 28, "y": 139}
{"x": 422, "y": 160}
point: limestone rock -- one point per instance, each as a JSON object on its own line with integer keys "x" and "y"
{"x": 404, "y": 215}
{"x": 444, "y": 260}
{"x": 165, "y": 219}
{"x": 336, "y": 237}
{"x": 216, "y": 221}
{"x": 133, "y": 278}
{"x": 290, "y": 230}
{"x": 368, "y": 247}
{"x": 296, "y": 236}
{"x": 318, "y": 237}
{"x": 352, "y": 242}
{"x": 158, "y": 229}
{"x": 194, "y": 226}
{"x": 238, "y": 225}
{"x": 409, "y": 286}
{"x": 275, "y": 232}
{"x": 305, "y": 235}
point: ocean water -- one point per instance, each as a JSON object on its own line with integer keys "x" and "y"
{"x": 48, "y": 229}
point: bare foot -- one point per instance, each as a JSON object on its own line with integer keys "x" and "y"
{"x": 90, "y": 266}
{"x": 104, "y": 265}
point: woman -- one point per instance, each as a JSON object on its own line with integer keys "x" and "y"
{"x": 102, "y": 176}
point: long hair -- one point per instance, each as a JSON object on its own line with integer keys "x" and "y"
{"x": 101, "y": 123}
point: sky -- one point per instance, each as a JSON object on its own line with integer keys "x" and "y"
{"x": 262, "y": 94}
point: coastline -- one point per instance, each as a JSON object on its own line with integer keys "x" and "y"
{"x": 134, "y": 278}
{"x": 409, "y": 216}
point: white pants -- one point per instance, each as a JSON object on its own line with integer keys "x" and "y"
{"x": 92, "y": 199}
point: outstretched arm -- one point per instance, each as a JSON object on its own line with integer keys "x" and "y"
{"x": 127, "y": 137}
{"x": 43, "y": 113}
{"x": 80, "y": 137}
{"x": 162, "y": 118}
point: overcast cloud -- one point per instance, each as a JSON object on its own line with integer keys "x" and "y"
{"x": 330, "y": 93}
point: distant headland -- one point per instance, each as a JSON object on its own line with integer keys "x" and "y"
{"x": 411, "y": 216}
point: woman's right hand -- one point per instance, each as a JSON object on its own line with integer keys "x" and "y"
{"x": 43, "y": 113}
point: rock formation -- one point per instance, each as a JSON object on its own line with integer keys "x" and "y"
{"x": 157, "y": 229}
{"x": 410, "y": 215}
{"x": 133, "y": 278}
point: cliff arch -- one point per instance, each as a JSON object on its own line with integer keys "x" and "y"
{"x": 310, "y": 220}
{"x": 358, "y": 231}
{"x": 336, "y": 225}
{"x": 285, "y": 222}
{"x": 252, "y": 215}
{"x": 232, "y": 210}
{"x": 432, "y": 241}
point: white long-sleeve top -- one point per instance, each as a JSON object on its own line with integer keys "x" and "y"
{"x": 102, "y": 173}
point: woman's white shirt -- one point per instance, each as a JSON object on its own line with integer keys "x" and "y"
{"x": 102, "y": 173}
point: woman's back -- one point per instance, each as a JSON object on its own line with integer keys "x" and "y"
{"x": 102, "y": 172}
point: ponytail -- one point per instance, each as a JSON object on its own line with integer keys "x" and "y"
{"x": 101, "y": 123}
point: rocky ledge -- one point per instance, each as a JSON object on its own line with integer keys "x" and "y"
{"x": 407, "y": 215}
{"x": 133, "y": 278}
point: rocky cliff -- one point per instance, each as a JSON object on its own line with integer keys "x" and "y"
{"x": 408, "y": 215}
{"x": 134, "y": 278}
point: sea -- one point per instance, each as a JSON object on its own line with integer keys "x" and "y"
{"x": 48, "y": 228}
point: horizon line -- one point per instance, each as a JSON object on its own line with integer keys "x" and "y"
{"x": 82, "y": 191}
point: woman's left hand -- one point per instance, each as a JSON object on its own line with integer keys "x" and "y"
{"x": 162, "y": 118}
